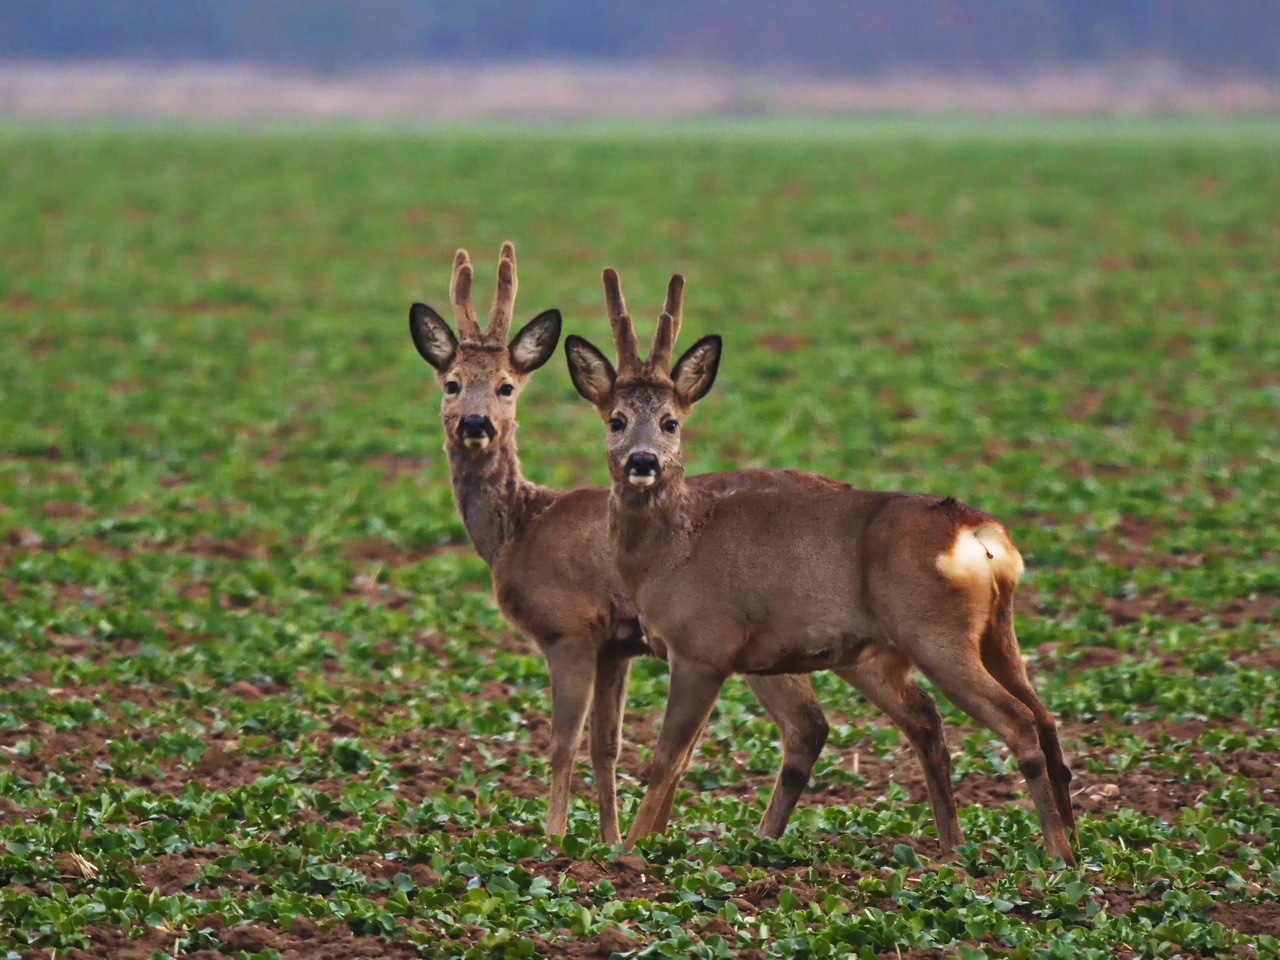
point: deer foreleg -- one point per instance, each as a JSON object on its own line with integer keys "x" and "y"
{"x": 693, "y": 693}
{"x": 573, "y": 674}
{"x": 606, "y": 739}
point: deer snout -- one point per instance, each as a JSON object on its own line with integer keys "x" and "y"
{"x": 642, "y": 469}
{"x": 476, "y": 431}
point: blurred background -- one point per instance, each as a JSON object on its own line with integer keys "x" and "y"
{"x": 450, "y": 60}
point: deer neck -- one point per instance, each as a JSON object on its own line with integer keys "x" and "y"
{"x": 493, "y": 497}
{"x": 650, "y": 530}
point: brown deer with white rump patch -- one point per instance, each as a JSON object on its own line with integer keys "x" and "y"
{"x": 803, "y": 578}
{"x": 553, "y": 568}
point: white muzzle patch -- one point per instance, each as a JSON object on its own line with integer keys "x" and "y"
{"x": 641, "y": 480}
{"x": 475, "y": 443}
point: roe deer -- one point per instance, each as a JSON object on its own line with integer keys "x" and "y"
{"x": 553, "y": 569}
{"x": 804, "y": 577}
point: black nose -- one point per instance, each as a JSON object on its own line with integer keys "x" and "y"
{"x": 642, "y": 465}
{"x": 475, "y": 427}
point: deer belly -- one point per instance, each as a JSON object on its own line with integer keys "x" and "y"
{"x": 815, "y": 649}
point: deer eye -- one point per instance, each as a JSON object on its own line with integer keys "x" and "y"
{"x": 617, "y": 424}
{"x": 671, "y": 426}
{"x": 451, "y": 387}
{"x": 506, "y": 390}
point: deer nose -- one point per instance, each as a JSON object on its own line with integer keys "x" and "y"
{"x": 476, "y": 427}
{"x": 642, "y": 466}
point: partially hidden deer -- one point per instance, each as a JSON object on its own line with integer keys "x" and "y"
{"x": 805, "y": 577}
{"x": 553, "y": 571}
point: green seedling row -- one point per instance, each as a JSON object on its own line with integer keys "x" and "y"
{"x": 256, "y": 700}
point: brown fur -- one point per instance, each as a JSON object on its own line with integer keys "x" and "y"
{"x": 807, "y": 576}
{"x": 553, "y": 569}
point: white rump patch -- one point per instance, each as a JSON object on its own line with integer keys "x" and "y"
{"x": 1004, "y": 556}
{"x": 978, "y": 554}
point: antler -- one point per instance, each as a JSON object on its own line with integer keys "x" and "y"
{"x": 504, "y": 298}
{"x": 624, "y": 333}
{"x": 664, "y": 338}
{"x": 464, "y": 311}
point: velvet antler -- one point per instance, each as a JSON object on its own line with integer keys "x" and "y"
{"x": 464, "y": 311}
{"x": 664, "y": 338}
{"x": 504, "y": 297}
{"x": 624, "y": 332}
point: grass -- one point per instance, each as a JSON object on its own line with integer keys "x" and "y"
{"x": 255, "y": 699}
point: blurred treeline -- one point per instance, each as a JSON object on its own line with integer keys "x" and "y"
{"x": 991, "y": 37}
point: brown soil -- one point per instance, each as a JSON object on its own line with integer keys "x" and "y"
{"x": 432, "y": 757}
{"x": 1079, "y": 658}
{"x": 1264, "y": 658}
{"x": 1257, "y": 608}
{"x": 64, "y": 510}
{"x": 226, "y": 548}
{"x": 630, "y": 879}
{"x": 1147, "y": 789}
{"x": 608, "y": 941}
{"x": 173, "y": 872}
{"x": 1129, "y": 544}
{"x": 393, "y": 465}
{"x": 782, "y": 342}
{"x": 387, "y": 554}
{"x": 1254, "y": 919}
{"x": 74, "y": 754}
{"x": 303, "y": 941}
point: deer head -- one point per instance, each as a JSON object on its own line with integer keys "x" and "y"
{"x": 482, "y": 374}
{"x": 643, "y": 402}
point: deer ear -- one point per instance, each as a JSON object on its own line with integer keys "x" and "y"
{"x": 695, "y": 371}
{"x": 536, "y": 342}
{"x": 432, "y": 336}
{"x": 590, "y": 370}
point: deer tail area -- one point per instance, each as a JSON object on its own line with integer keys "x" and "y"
{"x": 983, "y": 563}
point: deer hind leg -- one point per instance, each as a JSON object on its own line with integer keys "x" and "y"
{"x": 884, "y": 677}
{"x": 573, "y": 674}
{"x": 1003, "y": 660}
{"x": 693, "y": 693}
{"x": 789, "y": 700}
{"x": 606, "y": 739}
{"x": 962, "y": 678}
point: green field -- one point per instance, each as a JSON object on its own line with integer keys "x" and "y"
{"x": 256, "y": 699}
